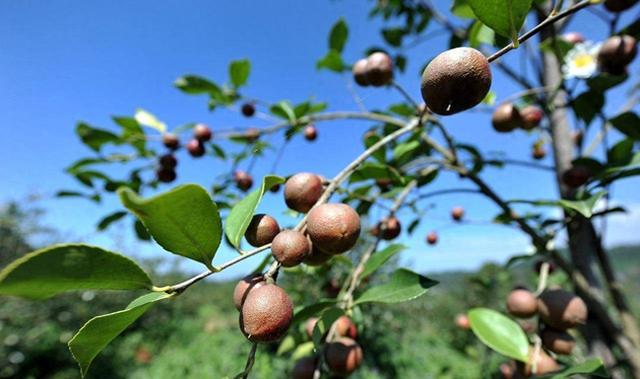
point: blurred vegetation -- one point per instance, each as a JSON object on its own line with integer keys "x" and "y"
{"x": 196, "y": 335}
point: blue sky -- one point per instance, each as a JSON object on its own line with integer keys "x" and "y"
{"x": 62, "y": 61}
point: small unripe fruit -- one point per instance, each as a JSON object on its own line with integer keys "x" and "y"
{"x": 557, "y": 341}
{"x": 302, "y": 191}
{"x": 462, "y": 321}
{"x": 576, "y": 176}
{"x": 544, "y": 364}
{"x": 379, "y": 69}
{"x": 432, "y": 238}
{"x": 538, "y": 152}
{"x": 522, "y": 303}
{"x": 248, "y": 109}
{"x": 170, "y": 141}
{"x": 266, "y": 314}
{"x": 252, "y": 134}
{"x": 310, "y": 133}
{"x": 343, "y": 356}
{"x": 562, "y": 310}
{"x": 166, "y": 175}
{"x": 507, "y": 370}
{"x": 246, "y": 284}
{"x": 243, "y": 180}
{"x": 506, "y": 118}
{"x": 202, "y": 133}
{"x": 345, "y": 327}
{"x": 456, "y": 80}
{"x": 304, "y": 368}
{"x": 317, "y": 257}
{"x": 388, "y": 229}
{"x": 616, "y": 53}
{"x": 619, "y": 5}
{"x": 168, "y": 161}
{"x": 333, "y": 228}
{"x": 195, "y": 148}
{"x": 573, "y": 37}
{"x": 262, "y": 230}
{"x": 360, "y": 72}
{"x": 290, "y": 247}
{"x": 457, "y": 213}
{"x": 531, "y": 117}
{"x": 309, "y": 326}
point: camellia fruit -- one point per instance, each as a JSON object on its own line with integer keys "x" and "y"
{"x": 333, "y": 228}
{"x": 266, "y": 314}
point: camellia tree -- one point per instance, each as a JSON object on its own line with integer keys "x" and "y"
{"x": 405, "y": 149}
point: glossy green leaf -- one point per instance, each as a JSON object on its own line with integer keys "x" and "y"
{"x": 326, "y": 319}
{"x": 404, "y": 285}
{"x": 627, "y": 123}
{"x": 240, "y": 216}
{"x": 132, "y": 133}
{"x": 379, "y": 154}
{"x": 100, "y": 330}
{"x": 587, "y": 105}
{"x": 239, "y": 72}
{"x": 462, "y": 9}
{"x": 404, "y": 151}
{"x": 284, "y": 110}
{"x": 95, "y": 138}
{"x": 592, "y": 367}
{"x": 584, "y": 207}
{"x": 141, "y": 231}
{"x": 110, "y": 219}
{"x": 196, "y": 85}
{"x": 480, "y": 33}
{"x": 303, "y": 313}
{"x": 184, "y": 220}
{"x": 604, "y": 81}
{"x": 372, "y": 170}
{"x": 379, "y": 258}
{"x": 505, "y": 17}
{"x": 332, "y": 61}
{"x": 338, "y": 35}
{"x": 70, "y": 267}
{"x": 147, "y": 119}
{"x": 393, "y": 36}
{"x": 621, "y": 153}
{"x": 499, "y": 333}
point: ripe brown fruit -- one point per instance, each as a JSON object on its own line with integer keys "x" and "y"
{"x": 317, "y": 257}
{"x": 170, "y": 141}
{"x": 388, "y": 229}
{"x": 619, "y": 5}
{"x": 302, "y": 191}
{"x": 290, "y": 247}
{"x": 506, "y": 118}
{"x": 345, "y": 327}
{"x": 457, "y": 213}
{"x": 531, "y": 117}
{"x": 262, "y": 230}
{"x": 246, "y": 284}
{"x": 243, "y": 180}
{"x": 538, "y": 152}
{"x": 360, "y": 72}
{"x": 456, "y": 80}
{"x": 333, "y": 228}
{"x": 195, "y": 148}
{"x": 168, "y": 161}
{"x": 462, "y": 321}
{"x": 248, "y": 109}
{"x": 266, "y": 314}
{"x": 379, "y": 69}
{"x": 561, "y": 310}
{"x": 304, "y": 368}
{"x": 310, "y": 325}
{"x": 544, "y": 364}
{"x": 576, "y": 176}
{"x": 432, "y": 238}
{"x": 616, "y": 53}
{"x": 343, "y": 356}
{"x": 573, "y": 37}
{"x": 310, "y": 133}
{"x": 522, "y": 303}
{"x": 557, "y": 341}
{"x": 166, "y": 174}
{"x": 202, "y": 133}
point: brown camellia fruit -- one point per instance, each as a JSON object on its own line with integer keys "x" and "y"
{"x": 195, "y": 148}
{"x": 246, "y": 284}
{"x": 506, "y": 118}
{"x": 243, "y": 180}
{"x": 462, "y": 321}
{"x": 333, "y": 228}
{"x": 343, "y": 356}
{"x": 616, "y": 53}
{"x": 576, "y": 176}
{"x": 168, "y": 161}
{"x": 557, "y": 341}
{"x": 388, "y": 229}
{"x": 248, "y": 109}
{"x": 457, "y": 213}
{"x": 619, "y": 5}
{"x": 456, "y": 80}
{"x": 166, "y": 174}
{"x": 379, "y": 69}
{"x": 202, "y": 133}
{"x": 573, "y": 37}
{"x": 266, "y": 313}
{"x": 290, "y": 247}
{"x": 432, "y": 238}
{"x": 302, "y": 191}
{"x": 544, "y": 364}
{"x": 310, "y": 325}
{"x": 360, "y": 72}
{"x": 531, "y": 117}
{"x": 346, "y": 328}
{"x": 262, "y": 230}
{"x": 304, "y": 368}
{"x": 317, "y": 257}
{"x": 170, "y": 141}
{"x": 310, "y": 133}
{"x": 561, "y": 309}
{"x": 538, "y": 152}
{"x": 522, "y": 303}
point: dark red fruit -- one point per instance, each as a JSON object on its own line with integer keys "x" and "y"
{"x": 246, "y": 284}
{"x": 266, "y": 314}
{"x": 388, "y": 229}
{"x": 166, "y": 175}
{"x": 457, "y": 213}
{"x": 248, "y": 109}
{"x": 195, "y": 148}
{"x": 616, "y": 53}
{"x": 345, "y": 327}
{"x": 531, "y": 117}
{"x": 262, "y": 230}
{"x": 302, "y": 191}
{"x": 576, "y": 176}
{"x": 432, "y": 238}
{"x": 170, "y": 141}
{"x": 168, "y": 161}
{"x": 243, "y": 180}
{"x": 310, "y": 133}
{"x": 343, "y": 356}
{"x": 562, "y": 310}
{"x": 360, "y": 72}
{"x": 202, "y": 133}
{"x": 304, "y": 368}
{"x": 522, "y": 303}
{"x": 333, "y": 228}
{"x": 506, "y": 118}
{"x": 379, "y": 69}
{"x": 290, "y": 247}
{"x": 557, "y": 341}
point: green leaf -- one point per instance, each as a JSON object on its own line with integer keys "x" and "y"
{"x": 332, "y": 61}
{"x": 499, "y": 333}
{"x": 147, "y": 119}
{"x": 393, "y": 36}
{"x": 404, "y": 285}
{"x": 326, "y": 319}
{"x": 621, "y": 153}
{"x": 481, "y": 33}
{"x": 196, "y": 85}
{"x": 95, "y": 138}
{"x": 505, "y": 17}
{"x": 604, "y": 81}
{"x": 462, "y": 9}
{"x": 109, "y": 219}
{"x": 405, "y": 150}
{"x": 308, "y": 311}
{"x": 372, "y": 170}
{"x": 239, "y": 72}
{"x": 283, "y": 110}
{"x": 70, "y": 267}
{"x": 379, "y": 258}
{"x": 240, "y": 215}
{"x": 627, "y": 123}
{"x": 584, "y": 207}
{"x": 380, "y": 154}
{"x": 141, "y": 231}
{"x": 184, "y": 220}
{"x": 338, "y": 35}
{"x": 100, "y": 330}
{"x": 132, "y": 133}
{"x": 593, "y": 367}
{"x": 587, "y": 105}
